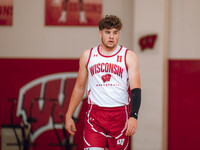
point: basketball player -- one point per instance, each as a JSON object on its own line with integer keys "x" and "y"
{"x": 109, "y": 69}
{"x": 63, "y": 16}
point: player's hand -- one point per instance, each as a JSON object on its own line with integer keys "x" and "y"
{"x": 131, "y": 126}
{"x": 70, "y": 125}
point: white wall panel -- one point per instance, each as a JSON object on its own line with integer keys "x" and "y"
{"x": 29, "y": 37}
{"x": 184, "y": 29}
{"x": 151, "y": 17}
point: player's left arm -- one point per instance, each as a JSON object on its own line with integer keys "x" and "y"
{"x": 134, "y": 81}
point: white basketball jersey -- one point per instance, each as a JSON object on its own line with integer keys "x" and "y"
{"x": 108, "y": 78}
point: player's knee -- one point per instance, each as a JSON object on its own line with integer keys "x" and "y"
{"x": 94, "y": 148}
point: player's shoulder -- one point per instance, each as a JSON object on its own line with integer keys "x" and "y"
{"x": 131, "y": 53}
{"x": 127, "y": 50}
{"x": 131, "y": 57}
{"x": 85, "y": 54}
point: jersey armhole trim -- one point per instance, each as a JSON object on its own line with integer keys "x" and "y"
{"x": 89, "y": 57}
{"x": 125, "y": 60}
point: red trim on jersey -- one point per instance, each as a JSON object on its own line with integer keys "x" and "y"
{"x": 89, "y": 57}
{"x": 125, "y": 60}
{"x": 89, "y": 101}
{"x": 110, "y": 55}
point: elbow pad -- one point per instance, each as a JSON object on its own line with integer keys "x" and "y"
{"x": 135, "y": 102}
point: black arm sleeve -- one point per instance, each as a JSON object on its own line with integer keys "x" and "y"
{"x": 135, "y": 102}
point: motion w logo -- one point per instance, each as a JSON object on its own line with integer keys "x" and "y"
{"x": 120, "y": 141}
{"x": 35, "y": 101}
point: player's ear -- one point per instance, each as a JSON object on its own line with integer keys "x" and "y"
{"x": 100, "y": 33}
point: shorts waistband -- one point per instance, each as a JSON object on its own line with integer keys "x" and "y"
{"x": 119, "y": 108}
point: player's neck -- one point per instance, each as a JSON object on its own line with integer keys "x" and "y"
{"x": 107, "y": 50}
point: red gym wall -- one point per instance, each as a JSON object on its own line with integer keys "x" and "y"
{"x": 15, "y": 73}
{"x": 184, "y": 105}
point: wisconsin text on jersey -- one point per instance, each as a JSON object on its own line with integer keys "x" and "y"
{"x": 107, "y": 68}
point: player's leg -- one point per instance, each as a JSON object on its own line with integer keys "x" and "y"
{"x": 119, "y": 144}
{"x": 93, "y": 148}
{"x": 93, "y": 141}
{"x": 118, "y": 140}
{"x": 94, "y": 135}
{"x": 63, "y": 16}
{"x": 82, "y": 18}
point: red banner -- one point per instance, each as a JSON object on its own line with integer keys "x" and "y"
{"x": 73, "y": 12}
{"x": 6, "y": 12}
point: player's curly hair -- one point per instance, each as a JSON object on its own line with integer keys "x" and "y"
{"x": 110, "y": 21}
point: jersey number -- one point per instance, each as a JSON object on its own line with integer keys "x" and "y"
{"x": 119, "y": 58}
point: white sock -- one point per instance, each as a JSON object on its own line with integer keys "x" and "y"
{"x": 63, "y": 16}
{"x": 82, "y": 17}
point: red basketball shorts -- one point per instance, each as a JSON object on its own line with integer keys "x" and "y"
{"x": 104, "y": 127}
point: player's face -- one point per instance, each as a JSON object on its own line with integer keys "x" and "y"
{"x": 109, "y": 37}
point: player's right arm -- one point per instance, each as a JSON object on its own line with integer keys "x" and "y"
{"x": 78, "y": 92}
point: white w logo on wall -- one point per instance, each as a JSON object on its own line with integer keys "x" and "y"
{"x": 54, "y": 86}
{"x": 120, "y": 141}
